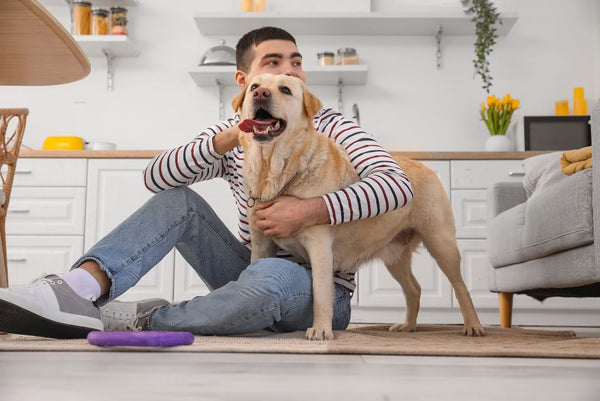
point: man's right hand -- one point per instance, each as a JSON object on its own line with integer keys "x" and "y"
{"x": 224, "y": 141}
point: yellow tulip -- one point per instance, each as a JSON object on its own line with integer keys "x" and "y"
{"x": 482, "y": 106}
{"x": 498, "y": 104}
{"x": 507, "y": 99}
{"x": 515, "y": 104}
{"x": 491, "y": 100}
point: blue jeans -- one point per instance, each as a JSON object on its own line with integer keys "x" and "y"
{"x": 273, "y": 294}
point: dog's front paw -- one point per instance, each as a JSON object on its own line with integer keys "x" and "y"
{"x": 474, "y": 331}
{"x": 319, "y": 334}
{"x": 404, "y": 327}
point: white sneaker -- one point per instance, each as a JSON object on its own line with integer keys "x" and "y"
{"x": 47, "y": 307}
{"x": 129, "y": 316}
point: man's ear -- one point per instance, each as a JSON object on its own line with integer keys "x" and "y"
{"x": 312, "y": 104}
{"x": 238, "y": 100}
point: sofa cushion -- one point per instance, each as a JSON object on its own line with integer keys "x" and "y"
{"x": 556, "y": 220}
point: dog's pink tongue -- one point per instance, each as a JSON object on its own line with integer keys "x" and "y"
{"x": 248, "y": 124}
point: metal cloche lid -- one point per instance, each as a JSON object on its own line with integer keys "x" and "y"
{"x": 219, "y": 55}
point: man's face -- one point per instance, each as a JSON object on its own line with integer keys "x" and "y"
{"x": 274, "y": 57}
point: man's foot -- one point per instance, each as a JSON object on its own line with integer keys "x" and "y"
{"x": 129, "y": 316}
{"x": 47, "y": 307}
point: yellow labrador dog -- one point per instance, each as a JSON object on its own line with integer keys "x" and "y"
{"x": 285, "y": 155}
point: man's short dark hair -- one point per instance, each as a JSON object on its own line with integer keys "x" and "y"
{"x": 244, "y": 51}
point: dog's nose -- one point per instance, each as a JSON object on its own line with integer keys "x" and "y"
{"x": 261, "y": 93}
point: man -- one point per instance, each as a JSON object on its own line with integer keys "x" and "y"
{"x": 273, "y": 294}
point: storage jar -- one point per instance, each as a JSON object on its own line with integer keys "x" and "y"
{"x": 82, "y": 13}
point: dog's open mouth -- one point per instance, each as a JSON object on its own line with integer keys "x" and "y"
{"x": 263, "y": 126}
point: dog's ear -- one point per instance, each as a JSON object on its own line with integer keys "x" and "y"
{"x": 239, "y": 99}
{"x": 312, "y": 104}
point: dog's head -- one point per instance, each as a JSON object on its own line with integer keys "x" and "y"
{"x": 271, "y": 105}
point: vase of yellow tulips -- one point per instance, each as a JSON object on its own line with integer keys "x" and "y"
{"x": 496, "y": 115}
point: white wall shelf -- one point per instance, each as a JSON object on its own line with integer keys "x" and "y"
{"x": 410, "y": 22}
{"x": 116, "y": 45}
{"x": 96, "y": 3}
{"x": 315, "y": 75}
{"x": 109, "y": 46}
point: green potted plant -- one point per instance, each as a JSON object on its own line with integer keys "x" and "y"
{"x": 485, "y": 16}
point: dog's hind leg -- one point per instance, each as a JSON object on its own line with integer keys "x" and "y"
{"x": 398, "y": 263}
{"x": 441, "y": 244}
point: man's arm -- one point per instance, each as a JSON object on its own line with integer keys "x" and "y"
{"x": 383, "y": 187}
{"x": 199, "y": 160}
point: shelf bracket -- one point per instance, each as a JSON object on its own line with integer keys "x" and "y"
{"x": 221, "y": 87}
{"x": 109, "y": 69}
{"x": 438, "y": 53}
{"x": 340, "y": 97}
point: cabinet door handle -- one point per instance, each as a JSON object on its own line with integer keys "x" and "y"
{"x": 516, "y": 173}
{"x": 19, "y": 211}
{"x": 17, "y": 260}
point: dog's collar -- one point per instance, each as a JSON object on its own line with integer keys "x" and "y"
{"x": 251, "y": 202}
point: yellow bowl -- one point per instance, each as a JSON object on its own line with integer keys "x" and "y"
{"x": 63, "y": 143}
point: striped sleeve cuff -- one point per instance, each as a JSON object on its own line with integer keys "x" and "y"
{"x": 207, "y": 149}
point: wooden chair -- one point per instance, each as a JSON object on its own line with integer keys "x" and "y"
{"x": 12, "y": 128}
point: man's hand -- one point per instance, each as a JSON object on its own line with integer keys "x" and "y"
{"x": 287, "y": 215}
{"x": 226, "y": 140}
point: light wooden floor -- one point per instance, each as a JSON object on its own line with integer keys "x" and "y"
{"x": 113, "y": 376}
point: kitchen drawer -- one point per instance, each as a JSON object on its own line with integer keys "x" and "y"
{"x": 50, "y": 173}
{"x": 32, "y": 256}
{"x": 470, "y": 212}
{"x": 35, "y": 210}
{"x": 480, "y": 174}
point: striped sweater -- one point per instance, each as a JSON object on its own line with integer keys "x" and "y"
{"x": 383, "y": 186}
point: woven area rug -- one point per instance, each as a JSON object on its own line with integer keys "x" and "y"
{"x": 433, "y": 340}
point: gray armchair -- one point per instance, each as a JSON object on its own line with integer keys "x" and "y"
{"x": 544, "y": 246}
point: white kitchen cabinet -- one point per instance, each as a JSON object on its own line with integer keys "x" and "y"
{"x": 115, "y": 190}
{"x": 469, "y": 182}
{"x": 45, "y": 219}
{"x": 46, "y": 211}
{"x": 31, "y": 256}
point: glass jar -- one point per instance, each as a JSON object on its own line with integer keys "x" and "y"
{"x": 100, "y": 21}
{"x": 82, "y": 13}
{"x": 346, "y": 55}
{"x": 325, "y": 58}
{"x": 117, "y": 12}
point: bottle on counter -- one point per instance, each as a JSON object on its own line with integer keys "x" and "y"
{"x": 100, "y": 21}
{"x": 82, "y": 14}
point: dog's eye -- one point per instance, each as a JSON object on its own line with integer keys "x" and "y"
{"x": 253, "y": 87}
{"x": 285, "y": 90}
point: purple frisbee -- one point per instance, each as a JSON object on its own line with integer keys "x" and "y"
{"x": 140, "y": 338}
